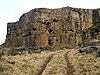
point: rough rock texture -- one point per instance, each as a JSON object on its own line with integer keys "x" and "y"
{"x": 43, "y": 28}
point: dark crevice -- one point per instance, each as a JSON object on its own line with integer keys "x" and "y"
{"x": 50, "y": 30}
{"x": 34, "y": 29}
{"x": 54, "y": 20}
{"x": 47, "y": 23}
{"x": 49, "y": 42}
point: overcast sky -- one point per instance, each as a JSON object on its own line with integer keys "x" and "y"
{"x": 11, "y": 10}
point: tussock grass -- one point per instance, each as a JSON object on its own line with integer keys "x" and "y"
{"x": 62, "y": 62}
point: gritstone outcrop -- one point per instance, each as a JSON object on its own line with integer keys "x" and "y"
{"x": 43, "y": 28}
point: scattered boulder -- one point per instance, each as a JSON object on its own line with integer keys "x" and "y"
{"x": 91, "y": 49}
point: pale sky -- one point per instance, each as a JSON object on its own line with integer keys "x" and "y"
{"x": 11, "y": 10}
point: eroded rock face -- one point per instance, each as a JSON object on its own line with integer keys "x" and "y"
{"x": 55, "y": 28}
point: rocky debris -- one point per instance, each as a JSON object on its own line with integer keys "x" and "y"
{"x": 90, "y": 49}
{"x": 43, "y": 28}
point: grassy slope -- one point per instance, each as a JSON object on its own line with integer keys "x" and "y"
{"x": 62, "y": 62}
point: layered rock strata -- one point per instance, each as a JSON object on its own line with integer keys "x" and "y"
{"x": 43, "y": 28}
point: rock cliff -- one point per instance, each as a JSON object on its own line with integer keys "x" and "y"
{"x": 43, "y": 28}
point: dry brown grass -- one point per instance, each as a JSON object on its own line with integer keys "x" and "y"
{"x": 57, "y": 65}
{"x": 62, "y": 62}
{"x": 84, "y": 64}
